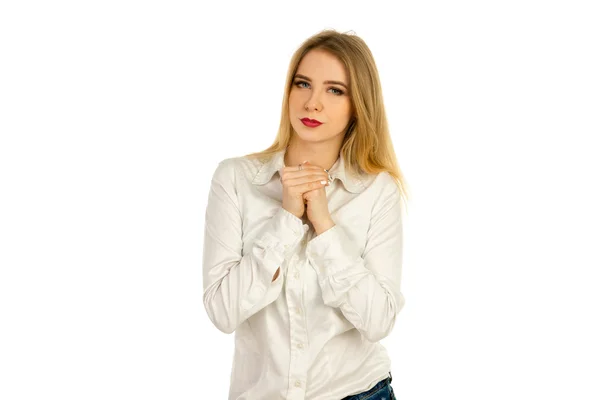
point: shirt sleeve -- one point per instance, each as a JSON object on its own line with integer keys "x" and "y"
{"x": 238, "y": 285}
{"x": 365, "y": 287}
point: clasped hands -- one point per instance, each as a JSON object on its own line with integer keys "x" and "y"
{"x": 304, "y": 191}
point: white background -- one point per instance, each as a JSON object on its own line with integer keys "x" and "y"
{"x": 114, "y": 114}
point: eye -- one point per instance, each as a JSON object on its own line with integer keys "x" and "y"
{"x": 337, "y": 91}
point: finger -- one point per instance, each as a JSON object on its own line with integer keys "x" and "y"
{"x": 304, "y": 164}
{"x": 294, "y": 176}
{"x": 317, "y": 178}
{"x": 286, "y": 172}
{"x": 310, "y": 186}
{"x": 301, "y": 189}
{"x": 295, "y": 171}
{"x": 320, "y": 177}
{"x": 314, "y": 192}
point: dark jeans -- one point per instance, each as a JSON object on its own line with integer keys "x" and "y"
{"x": 381, "y": 391}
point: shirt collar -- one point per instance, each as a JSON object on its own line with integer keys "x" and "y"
{"x": 352, "y": 183}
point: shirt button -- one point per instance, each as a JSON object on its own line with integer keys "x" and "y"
{"x": 298, "y": 310}
{"x": 297, "y": 275}
{"x": 300, "y": 346}
{"x": 298, "y": 383}
{"x": 286, "y": 245}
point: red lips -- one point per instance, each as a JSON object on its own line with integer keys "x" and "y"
{"x": 311, "y": 122}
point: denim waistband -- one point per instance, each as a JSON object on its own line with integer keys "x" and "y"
{"x": 382, "y": 383}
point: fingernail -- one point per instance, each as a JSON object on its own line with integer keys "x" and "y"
{"x": 323, "y": 182}
{"x": 304, "y": 162}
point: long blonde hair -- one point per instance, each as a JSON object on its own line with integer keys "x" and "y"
{"x": 367, "y": 145}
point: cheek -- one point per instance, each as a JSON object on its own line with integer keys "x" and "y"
{"x": 343, "y": 114}
{"x": 342, "y": 107}
{"x": 294, "y": 99}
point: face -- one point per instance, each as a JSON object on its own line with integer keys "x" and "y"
{"x": 320, "y": 92}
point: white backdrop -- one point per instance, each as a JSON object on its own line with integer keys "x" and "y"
{"x": 114, "y": 114}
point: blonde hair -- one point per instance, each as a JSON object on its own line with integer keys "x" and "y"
{"x": 367, "y": 146}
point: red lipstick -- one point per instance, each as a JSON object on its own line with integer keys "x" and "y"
{"x": 311, "y": 122}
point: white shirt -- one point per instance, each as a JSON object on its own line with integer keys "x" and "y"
{"x": 312, "y": 333}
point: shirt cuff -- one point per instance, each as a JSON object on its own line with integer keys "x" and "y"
{"x": 280, "y": 237}
{"x": 332, "y": 251}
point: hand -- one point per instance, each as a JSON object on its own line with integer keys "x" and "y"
{"x": 297, "y": 182}
{"x": 317, "y": 209}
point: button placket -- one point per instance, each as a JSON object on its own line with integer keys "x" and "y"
{"x": 298, "y": 330}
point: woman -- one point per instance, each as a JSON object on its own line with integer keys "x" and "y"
{"x": 303, "y": 241}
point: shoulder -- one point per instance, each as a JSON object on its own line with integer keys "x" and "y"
{"x": 228, "y": 169}
{"x": 386, "y": 196}
{"x": 385, "y": 193}
{"x": 387, "y": 181}
{"x": 381, "y": 183}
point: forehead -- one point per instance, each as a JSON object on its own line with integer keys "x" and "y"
{"x": 321, "y": 65}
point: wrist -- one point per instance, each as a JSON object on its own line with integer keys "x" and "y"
{"x": 323, "y": 226}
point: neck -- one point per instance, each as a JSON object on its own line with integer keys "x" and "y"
{"x": 323, "y": 155}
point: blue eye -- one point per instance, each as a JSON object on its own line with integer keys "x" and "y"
{"x": 337, "y": 92}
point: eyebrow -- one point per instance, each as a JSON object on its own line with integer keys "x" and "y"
{"x": 332, "y": 82}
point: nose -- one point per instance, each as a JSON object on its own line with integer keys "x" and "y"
{"x": 313, "y": 103}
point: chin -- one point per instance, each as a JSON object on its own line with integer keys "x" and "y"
{"x": 305, "y": 131}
